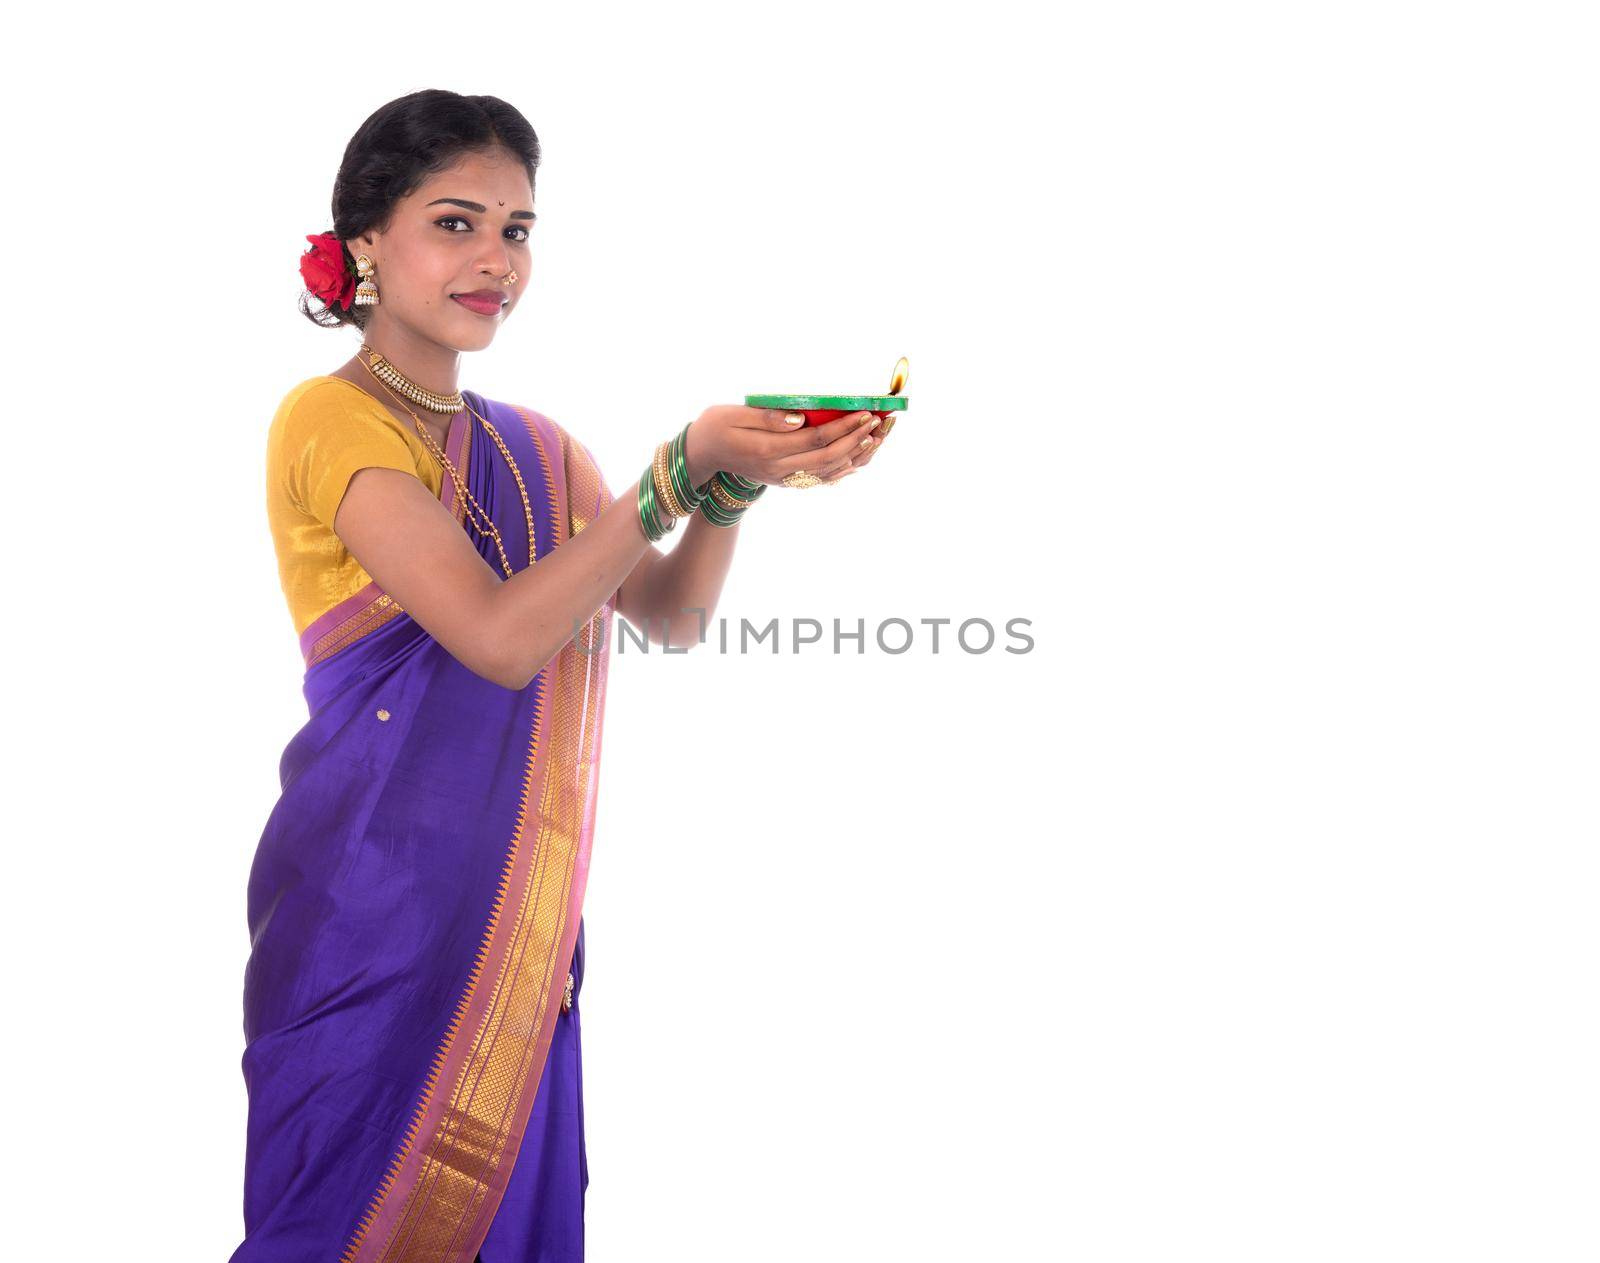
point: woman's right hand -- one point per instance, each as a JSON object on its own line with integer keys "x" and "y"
{"x": 759, "y": 444}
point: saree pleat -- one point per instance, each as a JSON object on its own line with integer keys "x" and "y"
{"x": 415, "y": 906}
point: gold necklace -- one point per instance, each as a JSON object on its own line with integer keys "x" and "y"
{"x": 392, "y": 377}
{"x": 487, "y": 526}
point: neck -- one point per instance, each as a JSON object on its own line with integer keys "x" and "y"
{"x": 429, "y": 365}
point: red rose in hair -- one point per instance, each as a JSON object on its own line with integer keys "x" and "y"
{"x": 325, "y": 273}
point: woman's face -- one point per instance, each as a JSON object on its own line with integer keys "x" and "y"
{"x": 462, "y": 233}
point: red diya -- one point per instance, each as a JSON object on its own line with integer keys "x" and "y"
{"x": 820, "y": 409}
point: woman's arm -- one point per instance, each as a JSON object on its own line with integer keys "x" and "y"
{"x": 502, "y": 629}
{"x": 506, "y": 630}
{"x": 673, "y": 596}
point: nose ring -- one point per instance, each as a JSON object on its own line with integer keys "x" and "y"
{"x": 511, "y": 277}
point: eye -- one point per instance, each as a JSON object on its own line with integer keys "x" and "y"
{"x": 522, "y": 228}
{"x": 452, "y": 219}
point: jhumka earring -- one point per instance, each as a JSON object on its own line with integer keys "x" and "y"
{"x": 367, "y": 291}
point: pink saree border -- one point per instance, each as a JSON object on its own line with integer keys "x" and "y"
{"x": 396, "y": 1220}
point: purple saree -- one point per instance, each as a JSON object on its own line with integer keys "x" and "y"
{"x": 415, "y": 905}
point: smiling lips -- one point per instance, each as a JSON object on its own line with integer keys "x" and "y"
{"x": 486, "y": 302}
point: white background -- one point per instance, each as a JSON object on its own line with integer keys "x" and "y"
{"x": 1248, "y": 917}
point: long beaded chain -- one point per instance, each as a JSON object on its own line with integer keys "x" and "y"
{"x": 486, "y": 526}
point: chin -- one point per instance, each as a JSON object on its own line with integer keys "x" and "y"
{"x": 471, "y": 338}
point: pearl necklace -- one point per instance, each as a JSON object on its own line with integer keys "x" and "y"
{"x": 389, "y": 375}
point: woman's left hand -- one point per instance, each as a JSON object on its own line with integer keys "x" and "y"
{"x": 867, "y": 452}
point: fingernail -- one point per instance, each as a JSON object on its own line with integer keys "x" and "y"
{"x": 794, "y": 418}
{"x": 866, "y": 442}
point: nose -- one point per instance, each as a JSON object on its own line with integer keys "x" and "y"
{"x": 495, "y": 262}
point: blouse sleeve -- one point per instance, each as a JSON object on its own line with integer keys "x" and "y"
{"x": 325, "y": 438}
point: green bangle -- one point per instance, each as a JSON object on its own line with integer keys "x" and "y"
{"x": 740, "y": 488}
{"x": 678, "y": 471}
{"x": 649, "y": 512}
{"x": 718, "y": 514}
{"x": 714, "y": 513}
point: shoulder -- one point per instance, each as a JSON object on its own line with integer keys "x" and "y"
{"x": 326, "y": 416}
{"x": 324, "y": 430}
{"x": 320, "y": 404}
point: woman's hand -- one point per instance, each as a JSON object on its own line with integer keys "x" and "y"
{"x": 759, "y": 444}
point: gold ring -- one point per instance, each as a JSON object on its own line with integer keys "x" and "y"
{"x": 800, "y": 478}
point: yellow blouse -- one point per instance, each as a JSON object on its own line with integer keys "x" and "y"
{"x": 324, "y": 430}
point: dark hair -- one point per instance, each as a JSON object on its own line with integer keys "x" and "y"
{"x": 395, "y": 150}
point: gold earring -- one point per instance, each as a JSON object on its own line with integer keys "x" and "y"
{"x": 367, "y": 291}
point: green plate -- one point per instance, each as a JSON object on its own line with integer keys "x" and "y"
{"x": 844, "y": 403}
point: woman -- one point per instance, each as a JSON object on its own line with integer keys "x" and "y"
{"x": 411, "y": 996}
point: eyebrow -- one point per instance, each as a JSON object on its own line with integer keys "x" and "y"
{"x": 482, "y": 210}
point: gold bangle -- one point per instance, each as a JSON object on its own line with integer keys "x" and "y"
{"x": 727, "y": 499}
{"x": 664, "y": 483}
